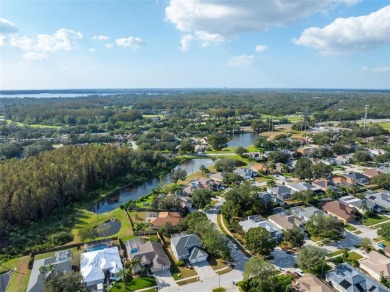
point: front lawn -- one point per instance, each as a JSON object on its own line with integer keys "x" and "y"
{"x": 86, "y": 218}
{"x": 20, "y": 277}
{"x": 349, "y": 227}
{"x": 335, "y": 253}
{"x": 216, "y": 263}
{"x": 374, "y": 220}
{"x": 135, "y": 284}
{"x": 354, "y": 256}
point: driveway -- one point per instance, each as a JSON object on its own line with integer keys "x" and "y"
{"x": 164, "y": 279}
{"x": 204, "y": 270}
{"x": 282, "y": 259}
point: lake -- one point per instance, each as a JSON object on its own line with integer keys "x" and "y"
{"x": 113, "y": 201}
{"x": 243, "y": 139}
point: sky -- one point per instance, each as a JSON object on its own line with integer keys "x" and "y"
{"x": 195, "y": 44}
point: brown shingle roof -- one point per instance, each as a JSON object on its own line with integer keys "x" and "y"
{"x": 166, "y": 217}
{"x": 339, "y": 209}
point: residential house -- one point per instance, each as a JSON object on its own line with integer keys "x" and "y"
{"x": 340, "y": 211}
{"x": 384, "y": 169}
{"x": 185, "y": 201}
{"x": 61, "y": 262}
{"x": 150, "y": 254}
{"x": 302, "y": 186}
{"x": 96, "y": 265}
{"x": 174, "y": 218}
{"x": 343, "y": 159}
{"x": 382, "y": 199}
{"x": 346, "y": 278}
{"x": 375, "y": 152}
{"x": 310, "y": 283}
{"x": 306, "y": 213}
{"x": 371, "y": 172}
{"x": 323, "y": 184}
{"x": 375, "y": 264}
{"x": 305, "y": 151}
{"x": 188, "y": 247}
{"x": 258, "y": 221}
{"x": 357, "y": 178}
{"x": 353, "y": 202}
{"x": 281, "y": 192}
{"x": 266, "y": 198}
{"x": 217, "y": 177}
{"x": 260, "y": 168}
{"x": 339, "y": 180}
{"x": 245, "y": 173}
{"x": 285, "y": 222}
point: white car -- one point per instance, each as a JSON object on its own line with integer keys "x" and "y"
{"x": 299, "y": 272}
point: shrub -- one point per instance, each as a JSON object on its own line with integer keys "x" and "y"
{"x": 60, "y": 238}
{"x": 179, "y": 263}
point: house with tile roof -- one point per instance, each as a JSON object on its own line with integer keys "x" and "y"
{"x": 150, "y": 254}
{"x": 340, "y": 211}
{"x": 174, "y": 218}
{"x": 310, "y": 283}
{"x": 346, "y": 278}
{"x": 188, "y": 247}
{"x": 375, "y": 264}
{"x": 285, "y": 222}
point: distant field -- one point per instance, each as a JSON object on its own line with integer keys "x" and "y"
{"x": 32, "y": 125}
{"x": 153, "y": 116}
{"x": 292, "y": 119}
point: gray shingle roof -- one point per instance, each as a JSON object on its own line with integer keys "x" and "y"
{"x": 197, "y": 252}
{"x": 183, "y": 243}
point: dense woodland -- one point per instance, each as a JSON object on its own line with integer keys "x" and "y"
{"x": 35, "y": 187}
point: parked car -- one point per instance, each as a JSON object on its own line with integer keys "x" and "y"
{"x": 381, "y": 245}
{"x": 299, "y": 272}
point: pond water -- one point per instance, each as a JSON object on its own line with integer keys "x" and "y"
{"x": 113, "y": 201}
{"x": 242, "y": 139}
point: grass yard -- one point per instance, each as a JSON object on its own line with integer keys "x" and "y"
{"x": 86, "y": 218}
{"x": 216, "y": 263}
{"x": 219, "y": 289}
{"x": 50, "y": 254}
{"x": 336, "y": 253}
{"x": 145, "y": 201}
{"x": 375, "y": 220}
{"x": 20, "y": 277}
{"x": 354, "y": 256}
{"x": 135, "y": 284}
{"x": 349, "y": 227}
{"x": 225, "y": 271}
{"x": 189, "y": 281}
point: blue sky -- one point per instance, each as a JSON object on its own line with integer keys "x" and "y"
{"x": 195, "y": 43}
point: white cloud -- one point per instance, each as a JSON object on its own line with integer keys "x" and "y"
{"x": 91, "y": 50}
{"x": 34, "y": 56}
{"x": 185, "y": 42}
{"x": 242, "y": 60}
{"x": 215, "y": 21}
{"x": 346, "y": 35}
{"x": 7, "y": 27}
{"x": 261, "y": 48}
{"x": 100, "y": 37}
{"x": 62, "y": 40}
{"x": 109, "y": 46}
{"x": 130, "y": 42}
{"x": 383, "y": 69}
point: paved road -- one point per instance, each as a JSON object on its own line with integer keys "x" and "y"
{"x": 225, "y": 280}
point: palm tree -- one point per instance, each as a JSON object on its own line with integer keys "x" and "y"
{"x": 271, "y": 183}
{"x": 134, "y": 261}
{"x": 202, "y": 168}
{"x": 125, "y": 273}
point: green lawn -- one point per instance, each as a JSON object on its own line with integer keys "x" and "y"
{"x": 87, "y": 218}
{"x": 353, "y": 255}
{"x": 349, "y": 227}
{"x": 216, "y": 263}
{"x": 49, "y": 254}
{"x": 20, "y": 277}
{"x": 335, "y": 253}
{"x": 135, "y": 284}
{"x": 377, "y": 219}
{"x": 189, "y": 281}
{"x": 145, "y": 202}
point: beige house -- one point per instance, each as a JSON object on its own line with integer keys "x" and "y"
{"x": 285, "y": 222}
{"x": 309, "y": 282}
{"x": 375, "y": 264}
{"x": 340, "y": 211}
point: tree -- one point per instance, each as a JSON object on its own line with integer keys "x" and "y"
{"x": 271, "y": 183}
{"x": 68, "y": 282}
{"x": 303, "y": 168}
{"x": 125, "y": 273}
{"x": 384, "y": 231}
{"x": 225, "y": 165}
{"x": 320, "y": 170}
{"x": 217, "y": 141}
{"x": 382, "y": 180}
{"x": 278, "y": 156}
{"x": 324, "y": 226}
{"x": 203, "y": 168}
{"x": 259, "y": 275}
{"x": 186, "y": 146}
{"x": 88, "y": 233}
{"x": 294, "y": 236}
{"x": 232, "y": 178}
{"x": 240, "y": 151}
{"x": 259, "y": 240}
{"x": 310, "y": 258}
{"x": 361, "y": 156}
{"x": 201, "y": 198}
{"x": 304, "y": 196}
{"x": 178, "y": 174}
